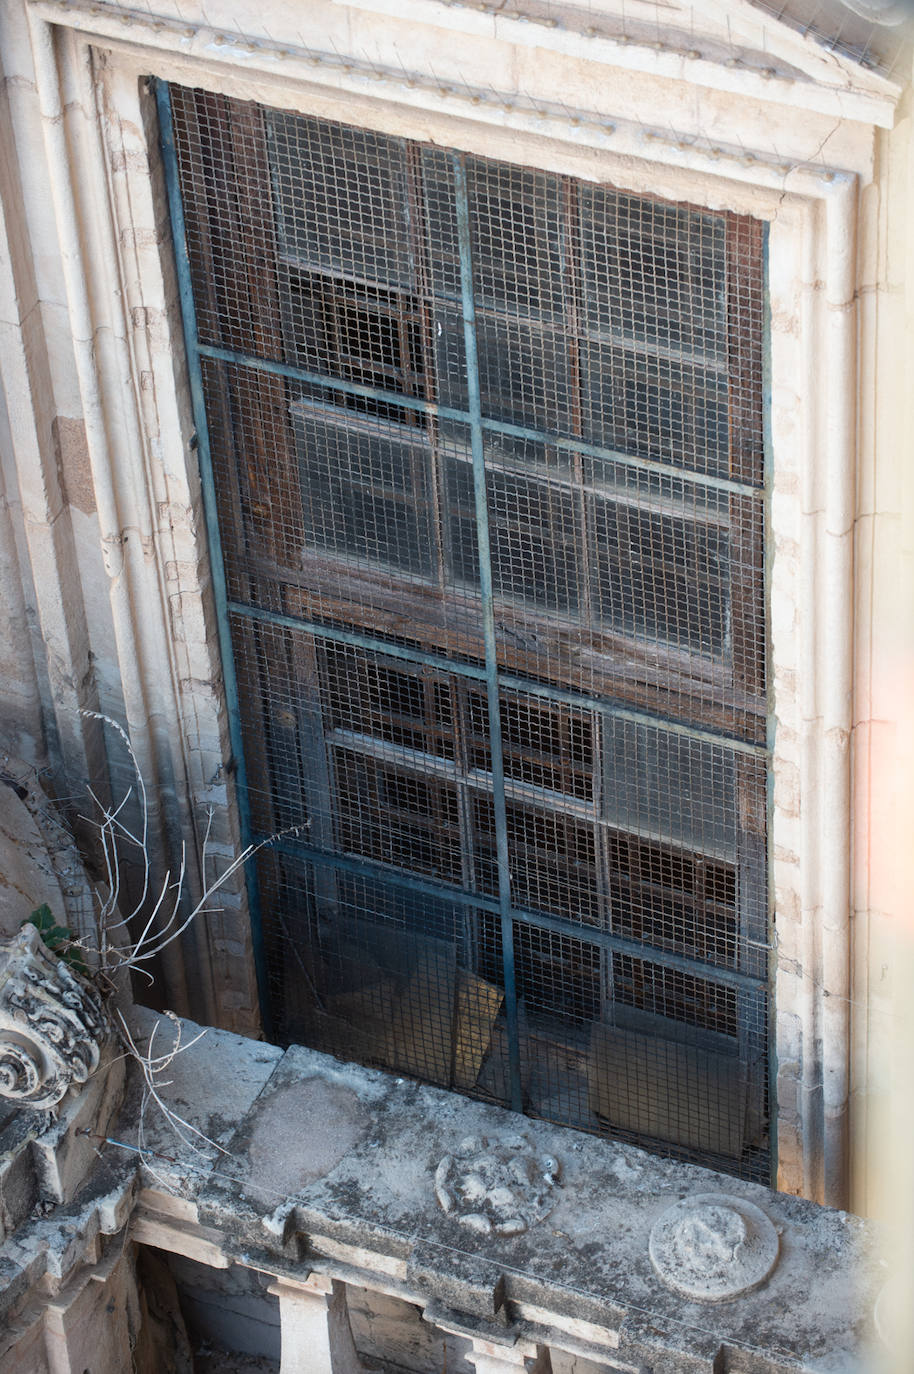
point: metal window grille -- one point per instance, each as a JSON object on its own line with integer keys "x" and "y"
{"x": 482, "y": 452}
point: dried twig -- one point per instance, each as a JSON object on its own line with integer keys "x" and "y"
{"x": 153, "y": 1066}
{"x": 118, "y": 948}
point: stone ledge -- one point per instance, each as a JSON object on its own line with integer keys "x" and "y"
{"x": 331, "y": 1170}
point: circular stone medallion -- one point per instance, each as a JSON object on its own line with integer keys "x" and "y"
{"x": 713, "y": 1246}
{"x": 499, "y": 1186}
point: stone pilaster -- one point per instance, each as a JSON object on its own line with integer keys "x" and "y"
{"x": 314, "y": 1322}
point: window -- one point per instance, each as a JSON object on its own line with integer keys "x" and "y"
{"x": 483, "y": 446}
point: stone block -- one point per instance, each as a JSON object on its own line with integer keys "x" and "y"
{"x": 94, "y": 1327}
{"x": 66, "y": 1152}
{"x": 18, "y": 1184}
{"x": 213, "y": 1082}
{"x": 462, "y": 1282}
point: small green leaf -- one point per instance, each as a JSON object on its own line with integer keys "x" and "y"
{"x": 43, "y": 918}
{"x": 59, "y": 939}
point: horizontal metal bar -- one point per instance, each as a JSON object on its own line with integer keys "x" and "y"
{"x": 300, "y": 374}
{"x": 614, "y": 338}
{"x": 649, "y": 348}
{"x": 608, "y": 455}
{"x": 651, "y": 954}
{"x": 615, "y": 489}
{"x": 359, "y": 641}
{"x": 395, "y": 398}
{"x": 510, "y": 681}
{"x": 525, "y": 793}
{"x": 714, "y": 512}
{"x": 585, "y": 701}
{"x": 558, "y": 925}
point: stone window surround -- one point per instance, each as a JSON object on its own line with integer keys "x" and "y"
{"x": 107, "y": 200}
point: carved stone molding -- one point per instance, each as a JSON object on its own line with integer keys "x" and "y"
{"x": 497, "y": 1186}
{"x": 713, "y": 1246}
{"x": 52, "y": 1023}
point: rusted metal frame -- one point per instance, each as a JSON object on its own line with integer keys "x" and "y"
{"x": 745, "y": 267}
{"x": 625, "y": 343}
{"x": 419, "y": 251}
{"x": 530, "y": 795}
{"x": 545, "y": 691}
{"x": 573, "y": 297}
{"x": 622, "y": 672}
{"x": 270, "y": 468}
{"x": 571, "y": 285}
{"x": 575, "y": 484}
{"x": 695, "y": 893}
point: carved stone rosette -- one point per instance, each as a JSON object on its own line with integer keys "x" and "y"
{"x": 52, "y": 1023}
{"x": 497, "y": 1187}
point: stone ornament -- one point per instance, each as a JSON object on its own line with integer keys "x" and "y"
{"x": 713, "y": 1246}
{"x": 52, "y": 1023}
{"x": 498, "y": 1187}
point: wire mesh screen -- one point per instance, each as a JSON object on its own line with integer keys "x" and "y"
{"x": 483, "y": 447}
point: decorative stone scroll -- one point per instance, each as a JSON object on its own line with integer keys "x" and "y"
{"x": 497, "y": 1187}
{"x": 52, "y": 1023}
{"x": 713, "y": 1246}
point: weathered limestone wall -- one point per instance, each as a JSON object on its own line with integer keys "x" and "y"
{"x": 885, "y": 620}
{"x": 47, "y": 640}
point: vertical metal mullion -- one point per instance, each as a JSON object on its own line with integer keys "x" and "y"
{"x": 488, "y": 617}
{"x": 419, "y": 254}
{"x": 588, "y": 593}
{"x": 217, "y": 564}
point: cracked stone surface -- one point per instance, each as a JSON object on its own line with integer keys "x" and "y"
{"x": 366, "y": 1198}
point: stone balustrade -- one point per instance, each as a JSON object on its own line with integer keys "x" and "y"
{"x": 534, "y": 1245}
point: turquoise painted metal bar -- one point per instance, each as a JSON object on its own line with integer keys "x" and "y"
{"x": 395, "y": 398}
{"x": 462, "y": 207}
{"x": 217, "y": 565}
{"x": 411, "y": 882}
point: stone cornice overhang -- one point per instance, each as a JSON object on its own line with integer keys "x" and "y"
{"x": 758, "y": 57}
{"x": 331, "y": 1170}
{"x": 739, "y": 148}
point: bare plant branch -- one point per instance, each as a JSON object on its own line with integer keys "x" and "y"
{"x": 162, "y": 923}
{"x": 153, "y": 1066}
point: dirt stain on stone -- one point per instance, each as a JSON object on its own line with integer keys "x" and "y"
{"x": 302, "y": 1133}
